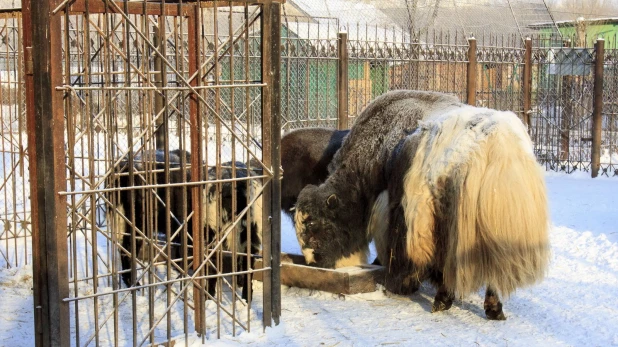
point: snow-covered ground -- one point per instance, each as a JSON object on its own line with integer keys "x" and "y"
{"x": 574, "y": 306}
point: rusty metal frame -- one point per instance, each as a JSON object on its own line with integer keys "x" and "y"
{"x": 50, "y": 202}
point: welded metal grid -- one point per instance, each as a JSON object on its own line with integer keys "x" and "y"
{"x": 500, "y": 72}
{"x": 562, "y": 99}
{"x": 609, "y": 141}
{"x": 309, "y": 72}
{"x": 385, "y": 59}
{"x": 162, "y": 110}
{"x": 15, "y": 229}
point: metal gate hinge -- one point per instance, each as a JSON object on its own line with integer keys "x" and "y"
{"x": 29, "y": 68}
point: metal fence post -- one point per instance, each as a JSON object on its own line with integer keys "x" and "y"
{"x": 471, "y": 85}
{"x": 193, "y": 40}
{"x": 342, "y": 81}
{"x": 50, "y": 272}
{"x": 527, "y": 82}
{"x": 597, "y": 113}
{"x": 271, "y": 156}
{"x": 275, "y": 94}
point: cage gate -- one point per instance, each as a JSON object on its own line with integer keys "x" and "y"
{"x": 15, "y": 231}
{"x": 155, "y": 168}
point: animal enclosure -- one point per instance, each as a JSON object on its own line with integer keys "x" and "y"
{"x": 149, "y": 106}
{"x": 150, "y": 114}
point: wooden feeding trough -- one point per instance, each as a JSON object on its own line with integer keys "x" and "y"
{"x": 348, "y": 280}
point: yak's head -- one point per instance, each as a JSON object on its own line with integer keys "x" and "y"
{"x": 323, "y": 227}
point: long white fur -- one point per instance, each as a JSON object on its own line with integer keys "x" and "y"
{"x": 481, "y": 162}
{"x": 378, "y": 224}
{"x": 210, "y": 215}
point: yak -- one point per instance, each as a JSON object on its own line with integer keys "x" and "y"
{"x": 465, "y": 207}
{"x": 180, "y": 196}
{"x": 331, "y": 219}
{"x": 305, "y": 156}
{"x": 136, "y": 205}
{"x": 233, "y": 199}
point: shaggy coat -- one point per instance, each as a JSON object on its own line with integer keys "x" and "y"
{"x": 234, "y": 199}
{"x": 215, "y": 224}
{"x": 467, "y": 206}
{"x": 305, "y": 156}
{"x": 140, "y": 202}
{"x": 331, "y": 220}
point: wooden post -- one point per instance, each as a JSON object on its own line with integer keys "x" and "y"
{"x": 46, "y": 146}
{"x": 342, "y": 81}
{"x": 471, "y": 86}
{"x": 527, "y": 82}
{"x": 597, "y": 112}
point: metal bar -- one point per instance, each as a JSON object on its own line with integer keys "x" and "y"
{"x": 194, "y": 28}
{"x": 72, "y": 88}
{"x": 527, "y": 82}
{"x": 164, "y": 185}
{"x": 136, "y": 8}
{"x": 266, "y": 39}
{"x": 39, "y": 294}
{"x": 159, "y": 42}
{"x": 597, "y": 113}
{"x": 50, "y": 264}
{"x": 275, "y": 118}
{"x": 177, "y": 280}
{"x": 342, "y": 81}
{"x": 471, "y": 86}
{"x": 211, "y": 3}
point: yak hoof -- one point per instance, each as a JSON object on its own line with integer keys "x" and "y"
{"x": 493, "y": 309}
{"x": 127, "y": 282}
{"x": 495, "y": 313}
{"x": 440, "y": 305}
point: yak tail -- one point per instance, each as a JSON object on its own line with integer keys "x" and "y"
{"x": 498, "y": 229}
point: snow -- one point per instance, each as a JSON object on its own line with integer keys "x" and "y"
{"x": 573, "y": 306}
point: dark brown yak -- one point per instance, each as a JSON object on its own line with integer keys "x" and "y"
{"x": 305, "y": 156}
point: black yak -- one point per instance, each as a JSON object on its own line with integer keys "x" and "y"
{"x": 331, "y": 219}
{"x": 234, "y": 199}
{"x": 154, "y": 162}
{"x": 141, "y": 201}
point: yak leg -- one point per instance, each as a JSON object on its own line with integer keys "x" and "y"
{"x": 126, "y": 259}
{"x": 247, "y": 289}
{"x": 492, "y": 305}
{"x": 444, "y": 299}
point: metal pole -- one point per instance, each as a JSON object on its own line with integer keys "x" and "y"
{"x": 194, "y": 29}
{"x": 597, "y": 113}
{"x": 32, "y": 168}
{"x": 271, "y": 152}
{"x": 275, "y": 95}
{"x": 471, "y": 86}
{"x": 267, "y": 127}
{"x": 527, "y": 82}
{"x": 49, "y": 222}
{"x": 159, "y": 41}
{"x": 342, "y": 81}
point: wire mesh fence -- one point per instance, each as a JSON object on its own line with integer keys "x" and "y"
{"x": 309, "y": 72}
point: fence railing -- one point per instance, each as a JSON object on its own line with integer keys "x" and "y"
{"x": 550, "y": 86}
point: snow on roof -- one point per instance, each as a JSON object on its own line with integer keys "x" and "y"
{"x": 602, "y": 20}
